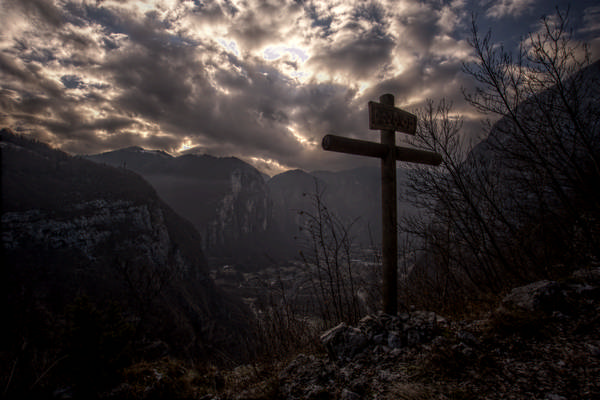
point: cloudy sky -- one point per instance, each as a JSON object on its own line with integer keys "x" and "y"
{"x": 263, "y": 80}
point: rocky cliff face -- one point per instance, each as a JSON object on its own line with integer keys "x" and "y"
{"x": 90, "y": 226}
{"x": 241, "y": 216}
{"x": 546, "y": 157}
{"x": 226, "y": 199}
{"x": 243, "y": 211}
{"x": 73, "y": 228}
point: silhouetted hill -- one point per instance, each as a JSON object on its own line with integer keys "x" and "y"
{"x": 225, "y": 198}
{"x": 244, "y": 218}
{"x": 288, "y": 192}
{"x": 352, "y": 195}
{"x": 79, "y": 237}
{"x": 523, "y": 205}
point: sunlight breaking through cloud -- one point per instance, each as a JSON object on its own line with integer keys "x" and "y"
{"x": 234, "y": 75}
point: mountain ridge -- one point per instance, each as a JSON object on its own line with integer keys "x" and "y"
{"x": 224, "y": 197}
{"x": 72, "y": 228}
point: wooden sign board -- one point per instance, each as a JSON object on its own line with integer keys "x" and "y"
{"x": 385, "y": 117}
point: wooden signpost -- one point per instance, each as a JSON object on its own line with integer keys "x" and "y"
{"x": 388, "y": 119}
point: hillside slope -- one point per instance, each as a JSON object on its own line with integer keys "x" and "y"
{"x": 76, "y": 234}
{"x": 225, "y": 198}
{"x": 353, "y": 196}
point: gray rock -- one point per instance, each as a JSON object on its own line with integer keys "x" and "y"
{"x": 394, "y": 340}
{"x": 591, "y": 276}
{"x": 317, "y": 392}
{"x": 464, "y": 349}
{"x": 552, "y": 396}
{"x": 404, "y": 317}
{"x": 343, "y": 342}
{"x": 394, "y": 353}
{"x": 587, "y": 291}
{"x": 413, "y": 337}
{"x": 379, "y": 339}
{"x": 306, "y": 377}
{"x": 594, "y": 351}
{"x": 542, "y": 297}
{"x": 380, "y": 334}
{"x": 348, "y": 395}
{"x": 468, "y": 338}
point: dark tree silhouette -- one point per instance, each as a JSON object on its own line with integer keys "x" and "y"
{"x": 523, "y": 203}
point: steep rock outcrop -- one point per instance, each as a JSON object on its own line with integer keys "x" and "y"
{"x": 226, "y": 199}
{"x": 242, "y": 213}
{"x": 73, "y": 228}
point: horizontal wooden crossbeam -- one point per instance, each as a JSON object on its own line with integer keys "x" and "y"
{"x": 372, "y": 149}
{"x": 354, "y": 146}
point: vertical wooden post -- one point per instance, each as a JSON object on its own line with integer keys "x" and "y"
{"x": 389, "y": 218}
{"x": 388, "y": 119}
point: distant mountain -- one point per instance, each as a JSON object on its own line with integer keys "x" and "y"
{"x": 241, "y": 217}
{"x": 73, "y": 229}
{"x": 225, "y": 198}
{"x": 352, "y": 195}
{"x": 288, "y": 192}
{"x": 557, "y": 137}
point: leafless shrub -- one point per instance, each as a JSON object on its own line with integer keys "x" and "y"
{"x": 329, "y": 253}
{"x": 526, "y": 198}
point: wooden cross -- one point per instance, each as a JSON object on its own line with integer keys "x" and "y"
{"x": 388, "y": 119}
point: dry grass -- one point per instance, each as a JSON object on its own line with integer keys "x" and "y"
{"x": 171, "y": 378}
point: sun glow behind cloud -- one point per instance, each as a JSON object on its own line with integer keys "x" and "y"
{"x": 254, "y": 78}
{"x": 186, "y": 144}
{"x": 303, "y": 140}
{"x": 268, "y": 166}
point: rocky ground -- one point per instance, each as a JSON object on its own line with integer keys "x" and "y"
{"x": 541, "y": 342}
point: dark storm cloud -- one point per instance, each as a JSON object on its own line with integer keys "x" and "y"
{"x": 40, "y": 11}
{"x": 9, "y": 67}
{"x": 328, "y": 109}
{"x": 371, "y": 11}
{"x": 258, "y": 79}
{"x": 71, "y": 81}
{"x": 71, "y": 126}
{"x": 26, "y": 77}
{"x": 153, "y": 81}
{"x": 360, "y": 56}
{"x": 169, "y": 85}
{"x": 213, "y": 11}
{"x": 250, "y": 32}
{"x": 422, "y": 79}
{"x": 263, "y": 22}
{"x": 360, "y": 47}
